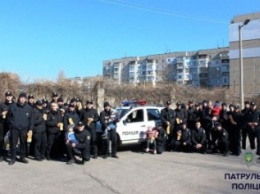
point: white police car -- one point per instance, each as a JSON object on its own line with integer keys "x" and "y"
{"x": 133, "y": 122}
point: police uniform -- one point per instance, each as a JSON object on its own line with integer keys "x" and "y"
{"x": 198, "y": 136}
{"x": 91, "y": 126}
{"x": 20, "y": 120}
{"x": 4, "y": 107}
{"x": 220, "y": 140}
{"x": 82, "y": 145}
{"x": 39, "y": 132}
{"x": 111, "y": 136}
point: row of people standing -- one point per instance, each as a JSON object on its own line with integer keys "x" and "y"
{"x": 234, "y": 121}
{"x": 47, "y": 124}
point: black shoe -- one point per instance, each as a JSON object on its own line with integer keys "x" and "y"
{"x": 43, "y": 158}
{"x": 23, "y": 160}
{"x": 11, "y": 162}
{"x": 95, "y": 157}
{"x": 71, "y": 161}
{"x": 38, "y": 159}
{"x": 48, "y": 158}
{"x": 226, "y": 154}
{"x": 115, "y": 156}
{"x": 1, "y": 158}
{"x": 105, "y": 156}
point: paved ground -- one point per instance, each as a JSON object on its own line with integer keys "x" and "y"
{"x": 134, "y": 172}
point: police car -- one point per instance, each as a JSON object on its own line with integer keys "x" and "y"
{"x": 134, "y": 119}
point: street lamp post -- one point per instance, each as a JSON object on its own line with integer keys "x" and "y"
{"x": 241, "y": 63}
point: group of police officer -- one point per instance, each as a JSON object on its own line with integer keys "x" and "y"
{"x": 45, "y": 125}
{"x": 208, "y": 127}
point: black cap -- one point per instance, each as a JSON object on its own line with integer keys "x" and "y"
{"x": 191, "y": 101}
{"x": 22, "y": 95}
{"x": 232, "y": 105}
{"x": 60, "y": 99}
{"x": 73, "y": 100}
{"x": 89, "y": 102}
{"x": 237, "y": 107}
{"x": 106, "y": 104}
{"x": 30, "y": 96}
{"x": 80, "y": 124}
{"x": 168, "y": 103}
{"x": 44, "y": 101}
{"x": 54, "y": 94}
{"x": 178, "y": 103}
{"x": 8, "y": 93}
{"x": 253, "y": 104}
{"x": 38, "y": 103}
{"x": 224, "y": 104}
{"x": 197, "y": 105}
{"x": 247, "y": 102}
{"x": 184, "y": 123}
{"x": 66, "y": 104}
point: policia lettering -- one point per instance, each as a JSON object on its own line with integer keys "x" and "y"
{"x": 130, "y": 133}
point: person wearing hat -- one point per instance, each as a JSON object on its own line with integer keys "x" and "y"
{"x": 89, "y": 116}
{"x": 54, "y": 125}
{"x": 54, "y": 97}
{"x": 234, "y": 129}
{"x": 39, "y": 131}
{"x": 81, "y": 145}
{"x": 4, "y": 107}
{"x": 21, "y": 124}
{"x": 190, "y": 112}
{"x": 220, "y": 140}
{"x": 168, "y": 119}
{"x": 111, "y": 136}
{"x": 194, "y": 115}
{"x": 252, "y": 124}
{"x": 31, "y": 100}
{"x": 71, "y": 117}
{"x": 245, "y": 133}
{"x": 183, "y": 141}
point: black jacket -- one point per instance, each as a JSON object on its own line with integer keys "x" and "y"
{"x": 70, "y": 115}
{"x": 20, "y": 117}
{"x": 104, "y": 119}
{"x": 83, "y": 138}
{"x": 181, "y": 114}
{"x": 186, "y": 136}
{"x": 54, "y": 117}
{"x": 252, "y": 116}
{"x": 4, "y": 107}
{"x": 198, "y": 136}
{"x": 39, "y": 122}
{"x": 168, "y": 115}
{"x": 220, "y": 136}
{"x": 89, "y": 113}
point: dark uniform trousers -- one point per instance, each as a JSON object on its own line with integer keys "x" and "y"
{"x": 251, "y": 135}
{"x": 40, "y": 144}
{"x": 54, "y": 140}
{"x": 1, "y": 139}
{"x": 85, "y": 152}
{"x": 257, "y": 132}
{"x": 223, "y": 146}
{"x": 15, "y": 135}
{"x": 93, "y": 142}
{"x": 111, "y": 136}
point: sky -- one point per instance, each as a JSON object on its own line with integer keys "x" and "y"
{"x": 40, "y": 38}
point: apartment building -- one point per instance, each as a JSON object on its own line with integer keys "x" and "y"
{"x": 207, "y": 68}
{"x": 250, "y": 39}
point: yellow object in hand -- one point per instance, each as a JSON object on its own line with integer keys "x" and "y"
{"x": 61, "y": 126}
{"x": 71, "y": 121}
{"x": 29, "y": 136}
{"x": 168, "y": 129}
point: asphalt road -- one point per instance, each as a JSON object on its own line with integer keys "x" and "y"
{"x": 133, "y": 172}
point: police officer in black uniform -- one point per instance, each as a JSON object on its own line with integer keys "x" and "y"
{"x": 89, "y": 117}
{"x": 82, "y": 144}
{"x": 245, "y": 133}
{"x": 71, "y": 117}
{"x": 54, "y": 128}
{"x": 198, "y": 139}
{"x": 39, "y": 131}
{"x": 220, "y": 140}
{"x": 21, "y": 121}
{"x": 252, "y": 125}
{"x": 4, "y": 107}
{"x": 111, "y": 136}
{"x": 168, "y": 117}
{"x": 183, "y": 142}
{"x": 31, "y": 100}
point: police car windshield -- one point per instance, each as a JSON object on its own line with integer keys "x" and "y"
{"x": 121, "y": 112}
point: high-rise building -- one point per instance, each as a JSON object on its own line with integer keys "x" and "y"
{"x": 250, "y": 53}
{"x": 207, "y": 68}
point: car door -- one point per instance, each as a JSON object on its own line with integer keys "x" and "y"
{"x": 153, "y": 116}
{"x": 133, "y": 125}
